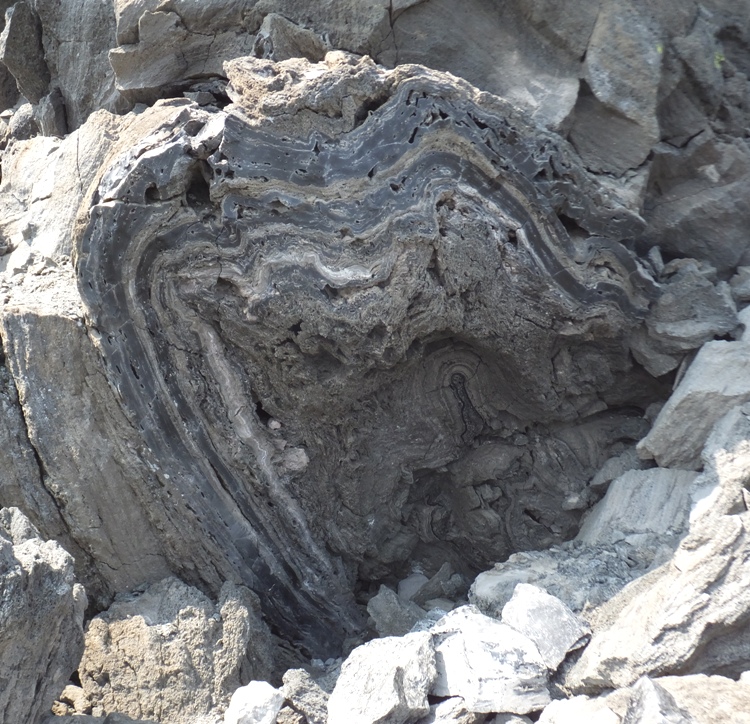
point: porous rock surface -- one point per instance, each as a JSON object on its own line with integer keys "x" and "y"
{"x": 171, "y": 655}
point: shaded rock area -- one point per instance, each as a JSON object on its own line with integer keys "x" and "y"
{"x": 374, "y": 361}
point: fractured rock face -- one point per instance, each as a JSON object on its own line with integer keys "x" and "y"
{"x": 41, "y": 619}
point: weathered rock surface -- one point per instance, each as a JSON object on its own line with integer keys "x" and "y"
{"x": 171, "y": 655}
{"x": 452, "y": 710}
{"x": 490, "y": 665}
{"x": 385, "y": 680}
{"x": 41, "y": 619}
{"x": 690, "y": 615}
{"x": 306, "y": 696}
{"x": 393, "y": 616}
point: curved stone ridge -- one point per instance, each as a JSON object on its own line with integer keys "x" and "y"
{"x": 322, "y": 323}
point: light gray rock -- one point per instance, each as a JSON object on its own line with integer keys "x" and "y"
{"x": 41, "y": 619}
{"x": 199, "y": 652}
{"x": 547, "y": 621}
{"x": 577, "y": 710}
{"x": 717, "y": 380}
{"x": 490, "y": 665}
{"x": 255, "y": 703}
{"x": 509, "y": 719}
{"x": 650, "y": 703}
{"x": 22, "y": 53}
{"x": 393, "y": 615}
{"x": 385, "y": 680}
{"x": 307, "y": 697}
{"x": 617, "y": 466}
{"x": 653, "y": 502}
{"x": 687, "y": 616}
{"x": 709, "y": 699}
{"x": 408, "y": 586}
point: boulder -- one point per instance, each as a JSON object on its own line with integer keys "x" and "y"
{"x": 490, "y": 665}
{"x": 717, "y": 380}
{"x": 651, "y": 703}
{"x": 709, "y": 699}
{"x": 385, "y": 680}
{"x": 547, "y": 621}
{"x": 41, "y": 619}
{"x": 197, "y": 651}
{"x": 255, "y": 703}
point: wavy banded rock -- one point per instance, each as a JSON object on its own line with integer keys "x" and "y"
{"x": 346, "y": 319}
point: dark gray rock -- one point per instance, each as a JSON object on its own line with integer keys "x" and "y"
{"x": 393, "y": 615}
{"x": 22, "y": 53}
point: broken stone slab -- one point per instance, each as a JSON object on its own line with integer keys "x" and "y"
{"x": 41, "y": 619}
{"x": 439, "y": 585}
{"x": 408, "y": 586}
{"x": 306, "y": 696}
{"x": 651, "y": 703}
{"x": 255, "y": 703}
{"x": 616, "y": 466}
{"x": 709, "y": 699}
{"x": 653, "y": 502}
{"x": 717, "y": 380}
{"x": 22, "y": 52}
{"x": 547, "y": 621}
{"x": 171, "y": 632}
{"x": 490, "y": 665}
{"x": 385, "y": 680}
{"x": 393, "y": 615}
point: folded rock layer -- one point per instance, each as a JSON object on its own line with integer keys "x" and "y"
{"x": 347, "y": 321}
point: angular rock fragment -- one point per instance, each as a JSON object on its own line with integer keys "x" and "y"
{"x": 385, "y": 680}
{"x": 650, "y": 703}
{"x": 717, "y": 380}
{"x": 41, "y": 619}
{"x": 198, "y": 652}
{"x": 280, "y": 39}
{"x": 709, "y": 699}
{"x": 393, "y": 615}
{"x": 547, "y": 621}
{"x": 490, "y": 665}
{"x": 255, "y": 703}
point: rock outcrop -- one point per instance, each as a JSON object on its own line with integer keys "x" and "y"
{"x": 319, "y": 310}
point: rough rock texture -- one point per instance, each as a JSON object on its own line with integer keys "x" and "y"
{"x": 170, "y": 654}
{"x": 490, "y": 665}
{"x": 393, "y": 616}
{"x": 306, "y": 696}
{"x": 41, "y": 619}
{"x": 690, "y": 615}
{"x": 385, "y": 680}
